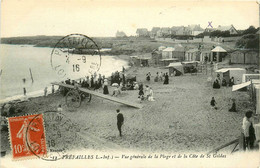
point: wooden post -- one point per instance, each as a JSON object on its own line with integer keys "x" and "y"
{"x": 31, "y": 74}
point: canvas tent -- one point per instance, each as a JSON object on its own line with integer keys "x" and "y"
{"x": 177, "y": 67}
{"x": 255, "y": 91}
{"x": 227, "y": 73}
{"x": 166, "y": 62}
{"x": 218, "y": 54}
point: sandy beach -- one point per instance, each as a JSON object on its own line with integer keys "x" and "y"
{"x": 179, "y": 120}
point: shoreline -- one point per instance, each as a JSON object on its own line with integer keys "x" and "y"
{"x": 39, "y": 93}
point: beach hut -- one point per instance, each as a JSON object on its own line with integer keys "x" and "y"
{"x": 176, "y": 67}
{"x": 252, "y": 57}
{"x": 227, "y": 73}
{"x": 156, "y": 56}
{"x": 205, "y": 54}
{"x": 167, "y": 53}
{"x": 179, "y": 52}
{"x": 218, "y": 54}
{"x": 161, "y": 48}
{"x": 140, "y": 61}
{"x": 244, "y": 57}
{"x": 192, "y": 55}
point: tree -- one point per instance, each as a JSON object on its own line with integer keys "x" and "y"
{"x": 250, "y": 30}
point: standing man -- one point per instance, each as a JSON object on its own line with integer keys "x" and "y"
{"x": 249, "y": 131}
{"x": 120, "y": 121}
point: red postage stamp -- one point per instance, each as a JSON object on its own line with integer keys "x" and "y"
{"x": 27, "y": 136}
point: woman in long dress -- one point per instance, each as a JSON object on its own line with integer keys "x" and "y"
{"x": 105, "y": 89}
{"x": 150, "y": 95}
{"x": 166, "y": 79}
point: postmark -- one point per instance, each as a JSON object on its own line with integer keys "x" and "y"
{"x": 25, "y": 129}
{"x": 61, "y": 135}
{"x": 75, "y": 56}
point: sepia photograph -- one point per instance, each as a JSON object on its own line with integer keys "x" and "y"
{"x": 94, "y": 83}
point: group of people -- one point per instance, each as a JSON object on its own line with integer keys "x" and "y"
{"x": 119, "y": 78}
{"x": 213, "y": 105}
{"x": 248, "y": 131}
{"x": 94, "y": 82}
{"x": 218, "y": 82}
{"x": 145, "y": 94}
{"x": 159, "y": 77}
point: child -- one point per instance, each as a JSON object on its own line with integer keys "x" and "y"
{"x": 141, "y": 94}
{"x": 213, "y": 103}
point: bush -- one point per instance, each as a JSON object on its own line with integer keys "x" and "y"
{"x": 249, "y": 41}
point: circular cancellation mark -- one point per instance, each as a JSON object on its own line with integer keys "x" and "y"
{"x": 75, "y": 56}
{"x": 61, "y": 135}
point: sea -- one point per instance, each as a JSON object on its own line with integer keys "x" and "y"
{"x": 20, "y": 62}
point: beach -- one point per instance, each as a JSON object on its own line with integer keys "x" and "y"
{"x": 179, "y": 120}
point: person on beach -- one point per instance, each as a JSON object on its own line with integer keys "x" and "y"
{"x": 92, "y": 82}
{"x": 96, "y": 85}
{"x": 99, "y": 81}
{"x": 224, "y": 82}
{"x": 150, "y": 95}
{"x": 156, "y": 79}
{"x": 148, "y": 76}
{"x": 248, "y": 131}
{"x": 147, "y": 92}
{"x": 116, "y": 91}
{"x": 123, "y": 79}
{"x": 120, "y": 121}
{"x": 213, "y": 103}
{"x": 73, "y": 82}
{"x": 105, "y": 87}
{"x": 233, "y": 108}
{"x": 52, "y": 89}
{"x": 59, "y": 109}
{"x": 45, "y": 91}
{"x": 87, "y": 82}
{"x": 231, "y": 81}
{"x": 216, "y": 84}
{"x": 141, "y": 93}
{"x": 166, "y": 79}
{"x": 24, "y": 86}
{"x": 136, "y": 86}
{"x": 161, "y": 77}
{"x": 67, "y": 82}
{"x": 112, "y": 78}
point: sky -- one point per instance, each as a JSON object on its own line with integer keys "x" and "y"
{"x": 99, "y": 18}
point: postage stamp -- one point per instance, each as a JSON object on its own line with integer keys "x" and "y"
{"x": 48, "y": 136}
{"x": 23, "y": 130}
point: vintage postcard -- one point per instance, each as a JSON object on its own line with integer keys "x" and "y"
{"x": 129, "y": 83}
